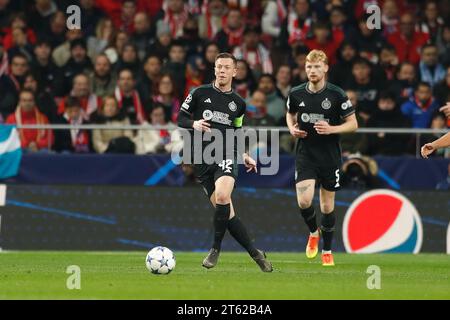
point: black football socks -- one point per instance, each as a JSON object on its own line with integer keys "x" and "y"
{"x": 239, "y": 232}
{"x": 309, "y": 216}
{"x": 221, "y": 217}
{"x": 327, "y": 226}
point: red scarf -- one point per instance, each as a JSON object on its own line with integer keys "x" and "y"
{"x": 234, "y": 36}
{"x": 140, "y": 114}
{"x": 38, "y": 117}
{"x": 424, "y": 106}
{"x": 213, "y": 29}
{"x": 176, "y": 22}
{"x": 295, "y": 32}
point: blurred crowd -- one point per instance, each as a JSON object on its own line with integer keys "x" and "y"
{"x": 134, "y": 61}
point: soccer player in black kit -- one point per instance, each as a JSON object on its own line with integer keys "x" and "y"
{"x": 217, "y": 106}
{"x": 318, "y": 112}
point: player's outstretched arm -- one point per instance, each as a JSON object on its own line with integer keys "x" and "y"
{"x": 429, "y": 148}
{"x": 350, "y": 125}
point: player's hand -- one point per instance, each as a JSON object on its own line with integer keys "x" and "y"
{"x": 202, "y": 125}
{"x": 323, "y": 127}
{"x": 297, "y": 133}
{"x": 427, "y": 149}
{"x": 250, "y": 163}
{"x": 446, "y": 110}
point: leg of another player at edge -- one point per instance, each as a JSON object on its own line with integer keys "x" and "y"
{"x": 305, "y": 195}
{"x": 328, "y": 221}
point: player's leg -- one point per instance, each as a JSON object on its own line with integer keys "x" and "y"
{"x": 305, "y": 195}
{"x": 220, "y": 196}
{"x": 328, "y": 221}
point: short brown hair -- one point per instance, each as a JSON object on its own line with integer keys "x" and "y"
{"x": 317, "y": 56}
{"x": 226, "y": 55}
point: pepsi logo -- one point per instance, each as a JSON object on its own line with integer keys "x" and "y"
{"x": 382, "y": 221}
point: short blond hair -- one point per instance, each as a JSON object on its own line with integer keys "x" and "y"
{"x": 317, "y": 56}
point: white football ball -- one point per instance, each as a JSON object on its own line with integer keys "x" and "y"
{"x": 160, "y": 260}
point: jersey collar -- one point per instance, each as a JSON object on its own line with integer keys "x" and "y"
{"x": 218, "y": 90}
{"x": 320, "y": 91}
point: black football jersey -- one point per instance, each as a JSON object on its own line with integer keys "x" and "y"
{"x": 330, "y": 104}
{"x": 223, "y": 110}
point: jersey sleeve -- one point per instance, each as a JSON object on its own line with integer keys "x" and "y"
{"x": 190, "y": 103}
{"x": 238, "y": 121}
{"x": 291, "y": 106}
{"x": 345, "y": 106}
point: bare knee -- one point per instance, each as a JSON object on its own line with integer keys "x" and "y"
{"x": 326, "y": 208}
{"x": 222, "y": 197}
{"x": 304, "y": 203}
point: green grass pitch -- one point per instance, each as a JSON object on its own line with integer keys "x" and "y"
{"x": 123, "y": 275}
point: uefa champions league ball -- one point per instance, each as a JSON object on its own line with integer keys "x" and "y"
{"x": 160, "y": 260}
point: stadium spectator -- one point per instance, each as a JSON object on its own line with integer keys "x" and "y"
{"x": 148, "y": 84}
{"x": 47, "y": 73}
{"x": 150, "y": 7}
{"x": 41, "y": 14}
{"x": 387, "y": 115}
{"x": 193, "y": 44}
{"x": 438, "y": 122}
{"x": 127, "y": 16}
{"x": 195, "y": 68}
{"x": 61, "y": 54}
{"x": 299, "y": 71}
{"x": 366, "y": 86}
{"x": 325, "y": 41}
{"x": 167, "y": 97}
{"x": 20, "y": 44}
{"x": 102, "y": 39}
{"x": 256, "y": 112}
{"x": 352, "y": 143}
{"x": 18, "y": 20}
{"x": 388, "y": 62}
{"x": 407, "y": 41}
{"x": 211, "y": 51}
{"x": 421, "y": 106}
{"x": 116, "y": 49}
{"x": 5, "y": 13}
{"x": 26, "y": 112}
{"x": 404, "y": 83}
{"x": 284, "y": 78}
{"x": 44, "y": 100}
{"x": 102, "y": 79}
{"x": 81, "y": 89}
{"x": 232, "y": 33}
{"x": 275, "y": 12}
{"x": 431, "y": 23}
{"x": 90, "y": 17}
{"x": 174, "y": 15}
{"x": 276, "y": 106}
{"x": 129, "y": 59}
{"x": 254, "y": 52}
{"x": 57, "y": 32}
{"x": 113, "y": 140}
{"x": 389, "y": 17}
{"x": 11, "y": 83}
{"x": 161, "y": 44}
{"x": 128, "y": 99}
{"x": 430, "y": 70}
{"x": 214, "y": 18}
{"x": 158, "y": 141}
{"x": 73, "y": 140}
{"x": 244, "y": 83}
{"x": 443, "y": 43}
{"x": 297, "y": 25}
{"x": 442, "y": 89}
{"x": 113, "y": 9}
{"x": 340, "y": 26}
{"x": 176, "y": 65}
{"x": 342, "y": 70}
{"x": 368, "y": 41}
{"x": 78, "y": 63}
{"x": 143, "y": 34}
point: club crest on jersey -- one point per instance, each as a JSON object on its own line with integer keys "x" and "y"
{"x": 232, "y": 105}
{"x": 326, "y": 104}
{"x": 207, "y": 114}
